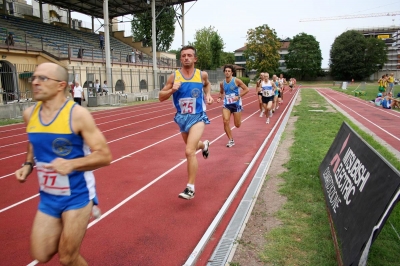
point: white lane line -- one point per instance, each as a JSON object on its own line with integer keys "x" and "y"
{"x": 3, "y": 158}
{"x": 391, "y": 112}
{"x": 15, "y": 143}
{"x": 18, "y": 203}
{"x": 384, "y": 130}
{"x": 13, "y": 135}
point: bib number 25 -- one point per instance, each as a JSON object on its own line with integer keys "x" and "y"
{"x": 187, "y": 105}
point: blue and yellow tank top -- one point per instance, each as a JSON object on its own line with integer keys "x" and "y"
{"x": 57, "y": 140}
{"x": 231, "y": 91}
{"x": 189, "y": 98}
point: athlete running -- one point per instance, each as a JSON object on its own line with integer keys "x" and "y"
{"x": 229, "y": 90}
{"x": 190, "y": 90}
{"x": 268, "y": 91}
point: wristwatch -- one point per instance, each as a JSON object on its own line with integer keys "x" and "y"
{"x": 28, "y": 163}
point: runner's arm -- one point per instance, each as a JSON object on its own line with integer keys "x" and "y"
{"x": 206, "y": 87}
{"x": 22, "y": 173}
{"x": 243, "y": 86}
{"x": 168, "y": 89}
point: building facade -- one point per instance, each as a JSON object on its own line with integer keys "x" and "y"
{"x": 391, "y": 36}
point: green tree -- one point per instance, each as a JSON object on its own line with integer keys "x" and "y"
{"x": 304, "y": 57}
{"x": 216, "y": 44}
{"x": 227, "y": 58}
{"x": 262, "y": 49}
{"x": 176, "y": 52}
{"x": 165, "y": 27}
{"x": 354, "y": 56}
{"x": 209, "y": 45}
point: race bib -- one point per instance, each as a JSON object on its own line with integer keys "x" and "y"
{"x": 51, "y": 182}
{"x": 268, "y": 93}
{"x": 230, "y": 98}
{"x": 188, "y": 105}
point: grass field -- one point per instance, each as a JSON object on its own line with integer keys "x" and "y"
{"x": 371, "y": 90}
{"x": 305, "y": 238}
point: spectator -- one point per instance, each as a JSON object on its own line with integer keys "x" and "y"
{"x": 97, "y": 86}
{"x": 391, "y": 82}
{"x": 389, "y": 102}
{"x": 382, "y": 84}
{"x": 79, "y": 95}
{"x": 10, "y": 39}
{"x": 105, "y": 88}
{"x": 378, "y": 99}
{"x": 101, "y": 39}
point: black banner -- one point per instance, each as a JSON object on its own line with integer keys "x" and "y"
{"x": 361, "y": 188}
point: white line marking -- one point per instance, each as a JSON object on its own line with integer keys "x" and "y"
{"x": 325, "y": 95}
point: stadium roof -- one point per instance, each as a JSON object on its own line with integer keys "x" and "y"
{"x": 116, "y": 8}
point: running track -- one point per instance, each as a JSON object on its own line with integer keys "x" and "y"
{"x": 383, "y": 123}
{"x": 143, "y": 222}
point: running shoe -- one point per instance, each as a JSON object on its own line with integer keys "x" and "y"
{"x": 230, "y": 143}
{"x": 205, "y": 150}
{"x": 267, "y": 121}
{"x": 262, "y": 113}
{"x": 187, "y": 194}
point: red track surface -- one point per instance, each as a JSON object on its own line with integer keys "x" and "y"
{"x": 382, "y": 122}
{"x": 144, "y": 222}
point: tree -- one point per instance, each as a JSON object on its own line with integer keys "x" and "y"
{"x": 354, "y": 56}
{"x": 227, "y": 58}
{"x": 304, "y": 57}
{"x": 176, "y": 52}
{"x": 216, "y": 45}
{"x": 165, "y": 27}
{"x": 262, "y": 49}
{"x": 205, "y": 50}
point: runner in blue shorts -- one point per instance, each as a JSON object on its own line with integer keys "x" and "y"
{"x": 277, "y": 94}
{"x": 66, "y": 146}
{"x": 229, "y": 89}
{"x": 190, "y": 90}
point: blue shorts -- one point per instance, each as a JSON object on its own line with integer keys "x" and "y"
{"x": 233, "y": 108}
{"x": 186, "y": 121}
{"x": 56, "y": 210}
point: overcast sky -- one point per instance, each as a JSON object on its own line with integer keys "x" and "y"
{"x": 232, "y": 19}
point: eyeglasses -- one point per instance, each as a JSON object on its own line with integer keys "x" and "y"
{"x": 43, "y": 79}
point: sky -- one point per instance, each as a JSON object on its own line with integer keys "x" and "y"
{"x": 232, "y": 19}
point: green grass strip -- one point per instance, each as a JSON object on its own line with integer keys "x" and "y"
{"x": 305, "y": 237}
{"x": 4, "y": 122}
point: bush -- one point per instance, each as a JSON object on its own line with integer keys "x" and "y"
{"x": 245, "y": 80}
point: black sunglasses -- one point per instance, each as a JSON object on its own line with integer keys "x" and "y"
{"x": 43, "y": 78}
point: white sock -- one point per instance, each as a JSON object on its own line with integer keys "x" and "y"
{"x": 191, "y": 186}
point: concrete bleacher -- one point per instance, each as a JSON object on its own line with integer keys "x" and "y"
{"x": 58, "y": 39}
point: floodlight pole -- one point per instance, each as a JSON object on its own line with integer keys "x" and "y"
{"x": 183, "y": 23}
{"x": 154, "y": 43}
{"x": 107, "y": 42}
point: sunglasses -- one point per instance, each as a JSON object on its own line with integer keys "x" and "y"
{"x": 43, "y": 79}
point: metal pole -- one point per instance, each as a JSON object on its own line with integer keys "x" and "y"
{"x": 183, "y": 23}
{"x": 154, "y": 43}
{"x": 107, "y": 41}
